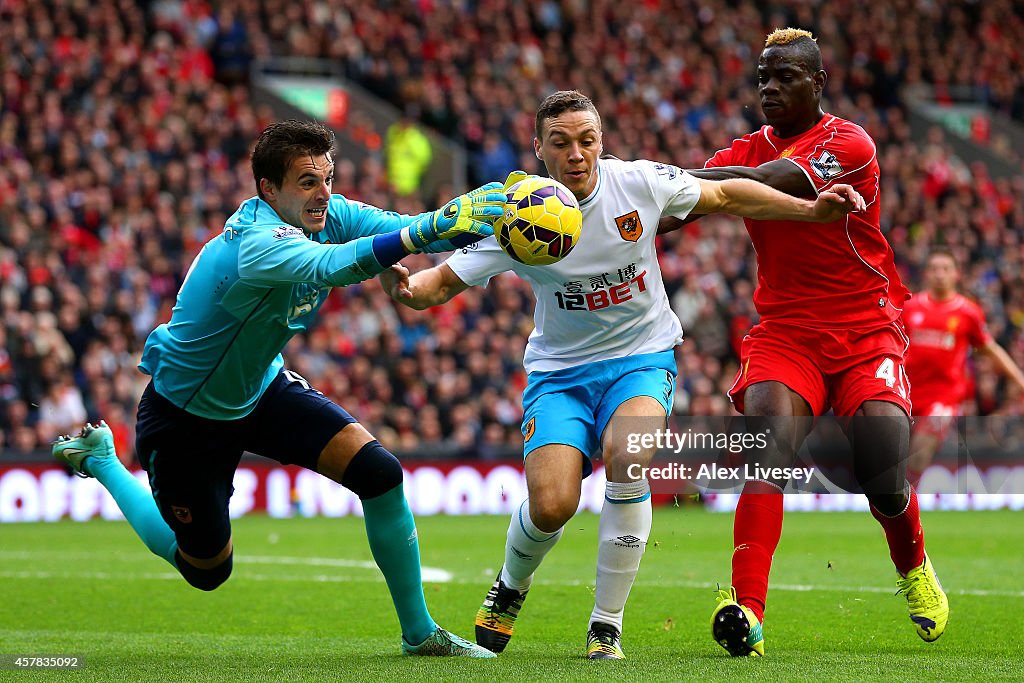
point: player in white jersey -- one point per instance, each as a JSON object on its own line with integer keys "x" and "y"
{"x": 603, "y": 348}
{"x": 600, "y": 303}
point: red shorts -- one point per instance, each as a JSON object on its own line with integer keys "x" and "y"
{"x": 834, "y": 368}
{"x": 936, "y": 411}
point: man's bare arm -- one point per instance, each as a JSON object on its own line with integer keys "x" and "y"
{"x": 784, "y": 176}
{"x": 430, "y": 287}
{"x": 751, "y": 199}
{"x": 1004, "y": 363}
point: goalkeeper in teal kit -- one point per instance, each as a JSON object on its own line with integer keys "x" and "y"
{"x": 219, "y": 386}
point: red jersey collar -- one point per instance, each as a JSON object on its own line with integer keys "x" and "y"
{"x": 783, "y": 143}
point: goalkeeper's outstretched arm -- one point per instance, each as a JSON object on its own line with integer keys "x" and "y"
{"x": 430, "y": 287}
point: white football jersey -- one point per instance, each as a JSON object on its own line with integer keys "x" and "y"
{"x": 606, "y": 299}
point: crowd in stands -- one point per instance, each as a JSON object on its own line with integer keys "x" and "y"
{"x": 125, "y": 129}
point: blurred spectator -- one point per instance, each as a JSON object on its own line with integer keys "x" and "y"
{"x": 495, "y": 159}
{"x": 408, "y": 154}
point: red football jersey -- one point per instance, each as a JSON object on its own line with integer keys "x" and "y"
{"x": 822, "y": 275}
{"x": 941, "y": 332}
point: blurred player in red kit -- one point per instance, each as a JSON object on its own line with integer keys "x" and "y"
{"x": 829, "y": 336}
{"x": 943, "y": 325}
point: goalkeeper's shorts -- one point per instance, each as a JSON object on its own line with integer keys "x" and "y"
{"x": 573, "y": 406}
{"x": 191, "y": 460}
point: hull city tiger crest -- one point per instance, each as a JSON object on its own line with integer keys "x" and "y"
{"x": 529, "y": 429}
{"x": 629, "y": 226}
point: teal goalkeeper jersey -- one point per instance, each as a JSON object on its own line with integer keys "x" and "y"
{"x": 248, "y": 292}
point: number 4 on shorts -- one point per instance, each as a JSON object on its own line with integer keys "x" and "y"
{"x": 887, "y": 371}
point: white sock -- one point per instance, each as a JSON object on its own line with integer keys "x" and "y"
{"x": 622, "y": 537}
{"x": 525, "y": 547}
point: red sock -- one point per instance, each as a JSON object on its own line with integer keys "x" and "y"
{"x": 904, "y": 535}
{"x": 756, "y": 532}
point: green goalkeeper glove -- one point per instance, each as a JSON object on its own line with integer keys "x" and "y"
{"x": 470, "y": 214}
{"x": 513, "y": 178}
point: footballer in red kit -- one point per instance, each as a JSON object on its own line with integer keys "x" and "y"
{"x": 941, "y": 333}
{"x": 829, "y": 337}
{"x": 806, "y": 276}
{"x": 944, "y": 326}
{"x": 834, "y": 293}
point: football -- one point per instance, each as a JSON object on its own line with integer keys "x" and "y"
{"x": 542, "y": 222}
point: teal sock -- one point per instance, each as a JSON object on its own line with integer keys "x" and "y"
{"x": 137, "y": 504}
{"x": 391, "y": 531}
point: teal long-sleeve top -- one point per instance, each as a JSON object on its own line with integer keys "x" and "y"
{"x": 250, "y": 290}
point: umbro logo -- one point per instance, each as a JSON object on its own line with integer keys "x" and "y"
{"x": 520, "y": 554}
{"x": 628, "y": 541}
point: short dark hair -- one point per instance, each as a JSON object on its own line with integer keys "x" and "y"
{"x": 282, "y": 142}
{"x": 560, "y": 102}
{"x": 942, "y": 251}
{"x": 802, "y": 42}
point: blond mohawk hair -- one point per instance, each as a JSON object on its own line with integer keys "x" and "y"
{"x": 785, "y": 36}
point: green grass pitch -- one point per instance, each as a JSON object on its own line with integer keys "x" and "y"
{"x": 305, "y": 605}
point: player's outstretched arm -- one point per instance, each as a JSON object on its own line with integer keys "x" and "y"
{"x": 430, "y": 287}
{"x": 780, "y": 174}
{"x": 487, "y": 197}
{"x": 751, "y": 199}
{"x": 1004, "y": 363}
{"x": 471, "y": 215}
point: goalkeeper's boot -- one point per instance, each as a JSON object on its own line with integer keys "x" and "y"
{"x": 497, "y": 615}
{"x": 929, "y": 608}
{"x": 735, "y": 627}
{"x": 94, "y": 441}
{"x": 603, "y": 642}
{"x": 441, "y": 643}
